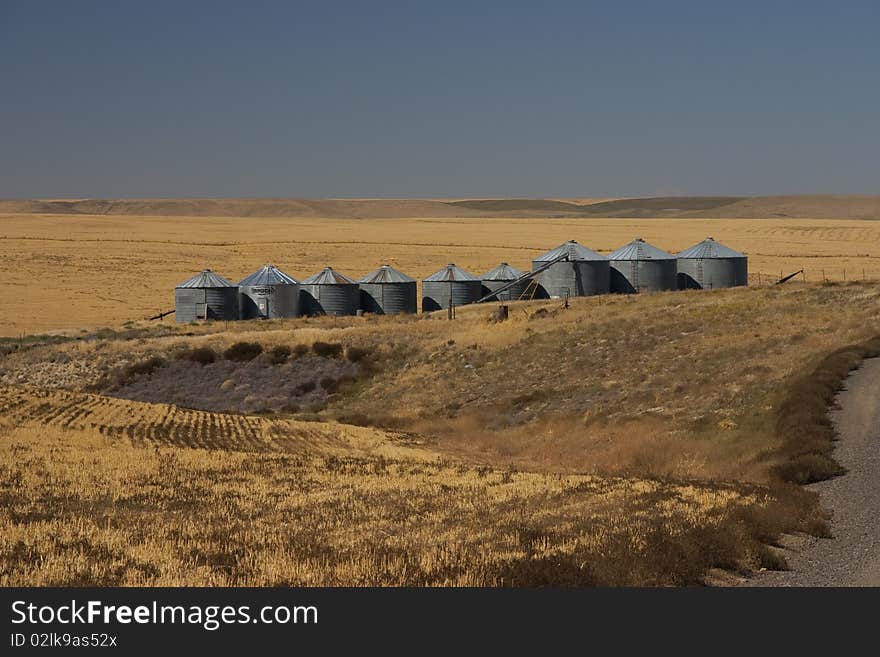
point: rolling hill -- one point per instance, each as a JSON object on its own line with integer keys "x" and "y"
{"x": 721, "y": 207}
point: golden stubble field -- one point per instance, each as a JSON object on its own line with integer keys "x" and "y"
{"x": 625, "y": 440}
{"x": 88, "y": 271}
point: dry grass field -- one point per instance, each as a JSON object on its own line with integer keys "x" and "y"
{"x": 635, "y": 440}
{"x": 625, "y": 440}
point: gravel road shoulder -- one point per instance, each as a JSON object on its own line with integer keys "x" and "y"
{"x": 852, "y": 556}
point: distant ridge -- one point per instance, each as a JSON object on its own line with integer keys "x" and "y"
{"x": 824, "y": 206}
{"x": 519, "y": 205}
{"x": 664, "y": 206}
{"x": 720, "y": 207}
{"x": 355, "y": 209}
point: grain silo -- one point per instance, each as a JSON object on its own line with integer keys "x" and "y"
{"x": 329, "y": 292}
{"x": 451, "y": 284}
{"x": 709, "y": 265}
{"x": 640, "y": 267}
{"x": 268, "y": 293}
{"x": 387, "y": 291}
{"x": 205, "y": 296}
{"x": 572, "y": 270}
{"x": 503, "y": 275}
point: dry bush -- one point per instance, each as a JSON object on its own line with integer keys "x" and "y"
{"x": 300, "y": 350}
{"x": 327, "y": 349}
{"x": 306, "y": 386}
{"x": 200, "y": 355}
{"x": 356, "y": 354}
{"x": 330, "y": 384}
{"x": 279, "y": 354}
{"x": 243, "y": 351}
{"x": 141, "y": 369}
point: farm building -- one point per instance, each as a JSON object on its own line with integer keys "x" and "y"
{"x": 640, "y": 267}
{"x": 329, "y": 292}
{"x": 205, "y": 296}
{"x": 500, "y": 277}
{"x": 572, "y": 270}
{"x": 451, "y": 285}
{"x": 709, "y": 265}
{"x": 387, "y": 291}
{"x": 269, "y": 293}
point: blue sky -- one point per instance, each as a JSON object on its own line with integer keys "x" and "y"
{"x": 409, "y": 99}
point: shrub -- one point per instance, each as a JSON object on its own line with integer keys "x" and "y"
{"x": 358, "y": 419}
{"x": 330, "y": 384}
{"x": 279, "y": 355}
{"x": 356, "y": 354}
{"x": 142, "y": 368}
{"x": 243, "y": 351}
{"x": 200, "y": 355}
{"x": 300, "y": 350}
{"x": 306, "y": 386}
{"x": 327, "y": 349}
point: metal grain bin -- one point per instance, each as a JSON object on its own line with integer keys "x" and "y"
{"x": 329, "y": 292}
{"x": 640, "y": 267}
{"x": 268, "y": 293}
{"x": 451, "y": 284}
{"x": 709, "y": 265}
{"x": 502, "y": 275}
{"x": 387, "y": 291}
{"x": 578, "y": 272}
{"x": 206, "y": 296}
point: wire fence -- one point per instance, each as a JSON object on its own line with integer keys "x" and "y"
{"x": 820, "y": 275}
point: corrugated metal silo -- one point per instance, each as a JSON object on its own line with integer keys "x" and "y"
{"x": 206, "y": 296}
{"x": 329, "y": 292}
{"x": 502, "y": 275}
{"x": 640, "y": 267}
{"x": 580, "y": 272}
{"x": 709, "y": 265}
{"x": 269, "y": 293}
{"x": 387, "y": 291}
{"x": 450, "y": 284}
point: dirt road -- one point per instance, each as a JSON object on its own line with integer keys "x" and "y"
{"x": 852, "y": 557}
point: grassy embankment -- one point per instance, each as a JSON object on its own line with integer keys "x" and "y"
{"x": 623, "y": 441}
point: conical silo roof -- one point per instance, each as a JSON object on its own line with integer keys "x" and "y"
{"x": 709, "y": 248}
{"x": 268, "y": 275}
{"x": 207, "y": 278}
{"x": 449, "y": 273}
{"x": 387, "y": 274}
{"x": 571, "y": 249}
{"x": 329, "y": 276}
{"x": 639, "y": 249}
{"x": 503, "y": 272}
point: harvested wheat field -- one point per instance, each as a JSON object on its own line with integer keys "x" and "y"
{"x": 625, "y": 440}
{"x": 94, "y": 264}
